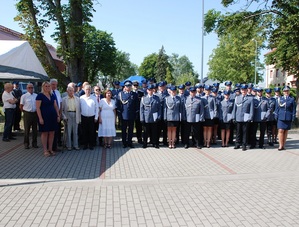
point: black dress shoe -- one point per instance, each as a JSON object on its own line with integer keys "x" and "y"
{"x": 144, "y": 146}
{"x": 198, "y": 147}
{"x": 186, "y": 146}
{"x": 27, "y": 147}
{"x": 237, "y": 147}
{"x": 262, "y": 147}
{"x": 157, "y": 146}
{"x": 35, "y": 146}
{"x": 5, "y": 140}
{"x": 244, "y": 149}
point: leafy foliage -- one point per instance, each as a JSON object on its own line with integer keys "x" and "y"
{"x": 148, "y": 66}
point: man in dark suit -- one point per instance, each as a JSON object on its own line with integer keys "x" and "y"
{"x": 126, "y": 104}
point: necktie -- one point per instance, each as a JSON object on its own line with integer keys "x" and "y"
{"x": 192, "y": 99}
{"x": 98, "y": 98}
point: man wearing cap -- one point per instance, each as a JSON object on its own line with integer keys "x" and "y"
{"x": 194, "y": 117}
{"x": 138, "y": 125}
{"x": 271, "y": 130}
{"x": 187, "y": 86}
{"x": 242, "y": 114}
{"x": 199, "y": 90}
{"x": 127, "y": 104}
{"x": 17, "y": 93}
{"x": 144, "y": 86}
{"x": 162, "y": 126}
{"x": 251, "y": 93}
{"x": 260, "y": 116}
{"x": 182, "y": 124}
{"x": 150, "y": 114}
{"x": 285, "y": 113}
{"x": 79, "y": 88}
{"x": 28, "y": 107}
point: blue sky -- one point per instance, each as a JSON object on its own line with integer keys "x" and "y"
{"x": 141, "y": 27}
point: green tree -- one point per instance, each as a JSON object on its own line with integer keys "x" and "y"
{"x": 69, "y": 18}
{"x": 235, "y": 56}
{"x": 169, "y": 77}
{"x": 100, "y": 54}
{"x": 148, "y": 66}
{"x": 181, "y": 65}
{"x": 279, "y": 20}
{"x": 124, "y": 67}
{"x": 161, "y": 65}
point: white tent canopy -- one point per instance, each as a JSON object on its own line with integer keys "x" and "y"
{"x": 19, "y": 62}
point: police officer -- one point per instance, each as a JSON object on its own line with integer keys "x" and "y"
{"x": 138, "y": 125}
{"x": 242, "y": 115}
{"x": 277, "y": 95}
{"x": 187, "y": 86}
{"x": 150, "y": 114}
{"x": 117, "y": 88}
{"x": 271, "y": 119}
{"x": 225, "y": 117}
{"x": 228, "y": 87}
{"x": 144, "y": 86}
{"x": 285, "y": 113}
{"x": 210, "y": 111}
{"x": 260, "y": 116}
{"x": 127, "y": 103}
{"x": 181, "y": 126}
{"x": 194, "y": 117}
{"x": 172, "y": 115}
{"x": 251, "y": 93}
{"x": 162, "y": 93}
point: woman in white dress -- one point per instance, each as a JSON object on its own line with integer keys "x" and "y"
{"x": 107, "y": 118}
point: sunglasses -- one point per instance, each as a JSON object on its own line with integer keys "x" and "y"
{"x": 98, "y": 90}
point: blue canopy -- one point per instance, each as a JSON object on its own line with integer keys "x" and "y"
{"x": 133, "y": 78}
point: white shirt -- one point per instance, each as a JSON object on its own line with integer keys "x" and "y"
{"x": 5, "y": 97}
{"x": 28, "y": 101}
{"x": 59, "y": 99}
{"x": 89, "y": 106}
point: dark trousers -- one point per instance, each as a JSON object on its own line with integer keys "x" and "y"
{"x": 30, "y": 121}
{"x": 96, "y": 137}
{"x": 263, "y": 126}
{"x": 241, "y": 134}
{"x": 162, "y": 128}
{"x": 270, "y": 135}
{"x": 18, "y": 116}
{"x": 251, "y": 133}
{"x": 127, "y": 127}
{"x": 180, "y": 132}
{"x": 87, "y": 131}
{"x": 9, "y": 120}
{"x": 57, "y": 137}
{"x": 150, "y": 130}
{"x": 138, "y": 127}
{"x": 231, "y": 133}
{"x": 196, "y": 133}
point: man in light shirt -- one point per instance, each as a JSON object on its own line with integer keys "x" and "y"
{"x": 28, "y": 107}
{"x": 89, "y": 115}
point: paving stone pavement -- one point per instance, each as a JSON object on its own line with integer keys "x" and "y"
{"x": 150, "y": 187}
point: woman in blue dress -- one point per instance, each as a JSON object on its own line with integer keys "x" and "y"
{"x": 48, "y": 116}
{"x": 285, "y": 113}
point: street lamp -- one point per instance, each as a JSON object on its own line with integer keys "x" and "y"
{"x": 202, "y": 41}
{"x": 255, "y": 61}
